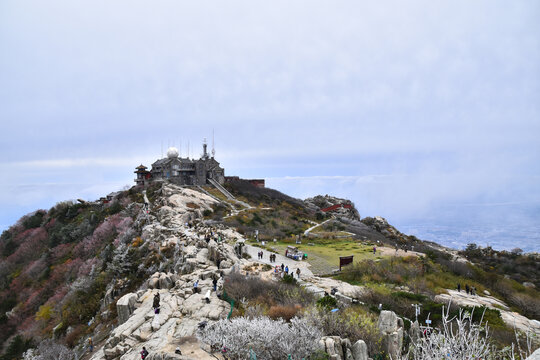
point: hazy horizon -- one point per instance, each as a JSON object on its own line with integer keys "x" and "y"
{"x": 427, "y": 114}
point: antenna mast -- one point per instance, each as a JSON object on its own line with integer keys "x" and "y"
{"x": 213, "y": 148}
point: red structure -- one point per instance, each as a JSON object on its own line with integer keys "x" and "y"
{"x": 142, "y": 174}
{"x": 337, "y": 206}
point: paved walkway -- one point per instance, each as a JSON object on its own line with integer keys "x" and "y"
{"x": 306, "y": 233}
{"x": 280, "y": 259}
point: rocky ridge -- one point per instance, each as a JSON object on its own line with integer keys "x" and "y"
{"x": 199, "y": 257}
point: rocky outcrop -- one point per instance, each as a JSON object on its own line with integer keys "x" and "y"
{"x": 359, "y": 350}
{"x": 181, "y": 307}
{"x": 391, "y": 328}
{"x": 125, "y": 307}
{"x": 535, "y": 355}
{"x": 511, "y": 318}
{"x": 341, "y": 349}
{"x": 324, "y": 202}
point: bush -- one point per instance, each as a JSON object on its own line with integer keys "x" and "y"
{"x": 16, "y": 347}
{"x": 34, "y": 220}
{"x": 328, "y": 302}
{"x": 207, "y": 213}
{"x": 285, "y": 312}
{"x": 241, "y": 338}
{"x": 289, "y": 279}
{"x": 268, "y": 293}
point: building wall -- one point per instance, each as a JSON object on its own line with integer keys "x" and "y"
{"x": 188, "y": 172}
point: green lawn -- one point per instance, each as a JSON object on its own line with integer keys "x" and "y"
{"x": 324, "y": 254}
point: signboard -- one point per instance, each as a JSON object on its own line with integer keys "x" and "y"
{"x": 345, "y": 260}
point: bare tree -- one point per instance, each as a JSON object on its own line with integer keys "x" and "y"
{"x": 461, "y": 339}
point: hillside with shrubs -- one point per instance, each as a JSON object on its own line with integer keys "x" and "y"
{"x": 64, "y": 270}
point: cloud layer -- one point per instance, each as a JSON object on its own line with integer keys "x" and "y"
{"x": 437, "y": 103}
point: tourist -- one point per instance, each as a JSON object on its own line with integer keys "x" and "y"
{"x": 287, "y": 269}
{"x": 459, "y": 287}
{"x": 282, "y": 267}
{"x": 467, "y": 288}
{"x": 90, "y": 344}
{"x": 144, "y": 353}
{"x": 196, "y": 287}
{"x": 214, "y": 283}
{"x": 298, "y": 272}
{"x": 156, "y": 303}
{"x": 374, "y": 250}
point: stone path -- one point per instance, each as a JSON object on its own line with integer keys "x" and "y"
{"x": 292, "y": 264}
{"x": 306, "y": 233}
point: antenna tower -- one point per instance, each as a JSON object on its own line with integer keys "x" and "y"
{"x": 213, "y": 148}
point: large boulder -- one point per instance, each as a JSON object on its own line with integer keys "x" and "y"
{"x": 415, "y": 332}
{"x": 125, "y": 307}
{"x": 359, "y": 350}
{"x": 166, "y": 281}
{"x": 387, "y": 321}
{"x": 337, "y": 348}
{"x": 164, "y": 356}
{"x": 391, "y": 328}
{"x": 535, "y": 355}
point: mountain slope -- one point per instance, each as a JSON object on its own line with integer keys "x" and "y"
{"x": 91, "y": 268}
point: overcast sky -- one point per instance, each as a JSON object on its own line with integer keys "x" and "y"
{"x": 424, "y": 112}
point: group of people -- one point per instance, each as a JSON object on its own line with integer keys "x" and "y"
{"x": 271, "y": 257}
{"x": 284, "y": 270}
{"x": 471, "y": 290}
{"x": 144, "y": 352}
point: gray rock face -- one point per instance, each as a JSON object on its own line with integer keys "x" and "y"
{"x": 391, "y": 328}
{"x": 415, "y": 332}
{"x": 387, "y": 321}
{"x": 125, "y": 307}
{"x": 164, "y": 356}
{"x": 535, "y": 355}
{"x": 359, "y": 350}
{"x": 341, "y": 349}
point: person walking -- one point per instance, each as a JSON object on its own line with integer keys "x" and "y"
{"x": 282, "y": 267}
{"x": 287, "y": 269}
{"x": 90, "y": 344}
{"x": 459, "y": 287}
{"x": 298, "y": 272}
{"x": 214, "y": 283}
{"x": 196, "y": 286}
{"x": 155, "y": 304}
{"x": 467, "y": 288}
{"x": 144, "y": 353}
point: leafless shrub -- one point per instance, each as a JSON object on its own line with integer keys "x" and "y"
{"x": 49, "y": 350}
{"x": 459, "y": 338}
{"x": 241, "y": 338}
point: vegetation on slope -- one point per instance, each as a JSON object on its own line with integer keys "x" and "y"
{"x": 55, "y": 267}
